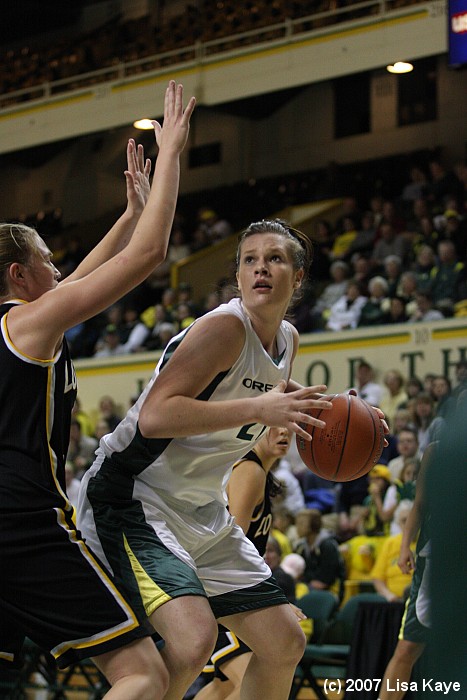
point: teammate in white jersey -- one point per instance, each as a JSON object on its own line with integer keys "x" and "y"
{"x": 153, "y": 504}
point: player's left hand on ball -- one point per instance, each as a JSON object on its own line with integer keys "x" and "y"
{"x": 384, "y": 424}
{"x": 380, "y": 413}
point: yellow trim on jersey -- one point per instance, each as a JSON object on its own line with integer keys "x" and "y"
{"x": 5, "y": 656}
{"x": 20, "y": 352}
{"x": 152, "y": 595}
{"x": 102, "y": 637}
{"x": 234, "y": 644}
{"x": 48, "y": 428}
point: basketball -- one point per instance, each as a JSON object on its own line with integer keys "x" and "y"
{"x": 350, "y": 444}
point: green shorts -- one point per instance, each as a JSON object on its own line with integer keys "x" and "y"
{"x": 412, "y": 629}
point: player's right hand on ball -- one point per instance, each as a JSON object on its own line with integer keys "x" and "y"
{"x": 292, "y": 409}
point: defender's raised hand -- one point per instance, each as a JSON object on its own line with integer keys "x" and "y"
{"x": 137, "y": 178}
{"x": 174, "y": 131}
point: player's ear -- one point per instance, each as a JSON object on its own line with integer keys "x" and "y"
{"x": 298, "y": 278}
{"x": 16, "y": 273}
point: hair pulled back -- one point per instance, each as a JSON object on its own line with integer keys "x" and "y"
{"x": 18, "y": 244}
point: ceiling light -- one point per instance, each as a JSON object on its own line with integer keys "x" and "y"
{"x": 143, "y": 124}
{"x": 400, "y": 67}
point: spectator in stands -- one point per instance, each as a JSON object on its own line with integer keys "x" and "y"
{"x": 408, "y": 448}
{"x": 392, "y": 217}
{"x": 460, "y": 292}
{"x": 102, "y": 428}
{"x": 402, "y": 488}
{"x": 73, "y": 255}
{"x": 77, "y": 413}
{"x": 160, "y": 325}
{"x": 419, "y": 210}
{"x": 376, "y": 206}
{"x": 331, "y": 293}
{"x": 461, "y": 379}
{"x": 364, "y": 240}
{"x": 417, "y": 186}
{"x": 323, "y": 562}
{"x": 362, "y": 270}
{"x": 365, "y": 386}
{"x": 216, "y": 228}
{"x": 387, "y": 577}
{"x": 199, "y": 239}
{"x": 343, "y": 241}
{"x": 407, "y": 289}
{"x": 350, "y": 498}
{"x": 351, "y": 209}
{"x": 110, "y": 346}
{"x": 211, "y": 302}
{"x": 292, "y": 496}
{"x": 444, "y": 277}
{"x": 396, "y": 312}
{"x": 273, "y": 557}
{"x": 424, "y": 310}
{"x": 393, "y": 269}
{"x": 322, "y": 243}
{"x": 390, "y": 242}
{"x": 403, "y": 418}
{"x": 81, "y": 449}
{"x": 185, "y": 296}
{"x": 424, "y": 264}
{"x": 441, "y": 391}
{"x": 183, "y": 316}
{"x": 413, "y": 387}
{"x": 133, "y": 331}
{"x": 379, "y": 482}
{"x": 394, "y": 395}
{"x": 376, "y": 305}
{"x": 294, "y": 564}
{"x": 345, "y": 312}
{"x": 72, "y": 483}
{"x": 169, "y": 301}
{"x": 283, "y": 528}
{"x": 423, "y": 416}
{"x": 108, "y": 410}
{"x": 453, "y": 228}
{"x": 444, "y": 183}
{"x": 178, "y": 247}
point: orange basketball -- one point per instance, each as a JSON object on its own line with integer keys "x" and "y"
{"x": 350, "y": 444}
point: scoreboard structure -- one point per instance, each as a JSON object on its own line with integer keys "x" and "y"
{"x": 457, "y": 33}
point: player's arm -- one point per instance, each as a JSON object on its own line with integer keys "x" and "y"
{"x": 211, "y": 347}
{"x": 245, "y": 490}
{"x": 412, "y": 526}
{"x": 37, "y": 327}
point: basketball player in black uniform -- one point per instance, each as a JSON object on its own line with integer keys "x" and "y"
{"x": 250, "y": 489}
{"x": 52, "y": 588}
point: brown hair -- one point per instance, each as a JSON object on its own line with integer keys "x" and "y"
{"x": 18, "y": 243}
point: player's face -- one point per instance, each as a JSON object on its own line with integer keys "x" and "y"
{"x": 278, "y": 440}
{"x": 43, "y": 275}
{"x": 265, "y": 272}
{"x": 271, "y": 557}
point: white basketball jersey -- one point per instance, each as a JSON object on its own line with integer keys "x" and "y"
{"x": 195, "y": 469}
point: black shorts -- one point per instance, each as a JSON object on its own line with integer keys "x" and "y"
{"x": 228, "y": 646}
{"x": 54, "y": 591}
